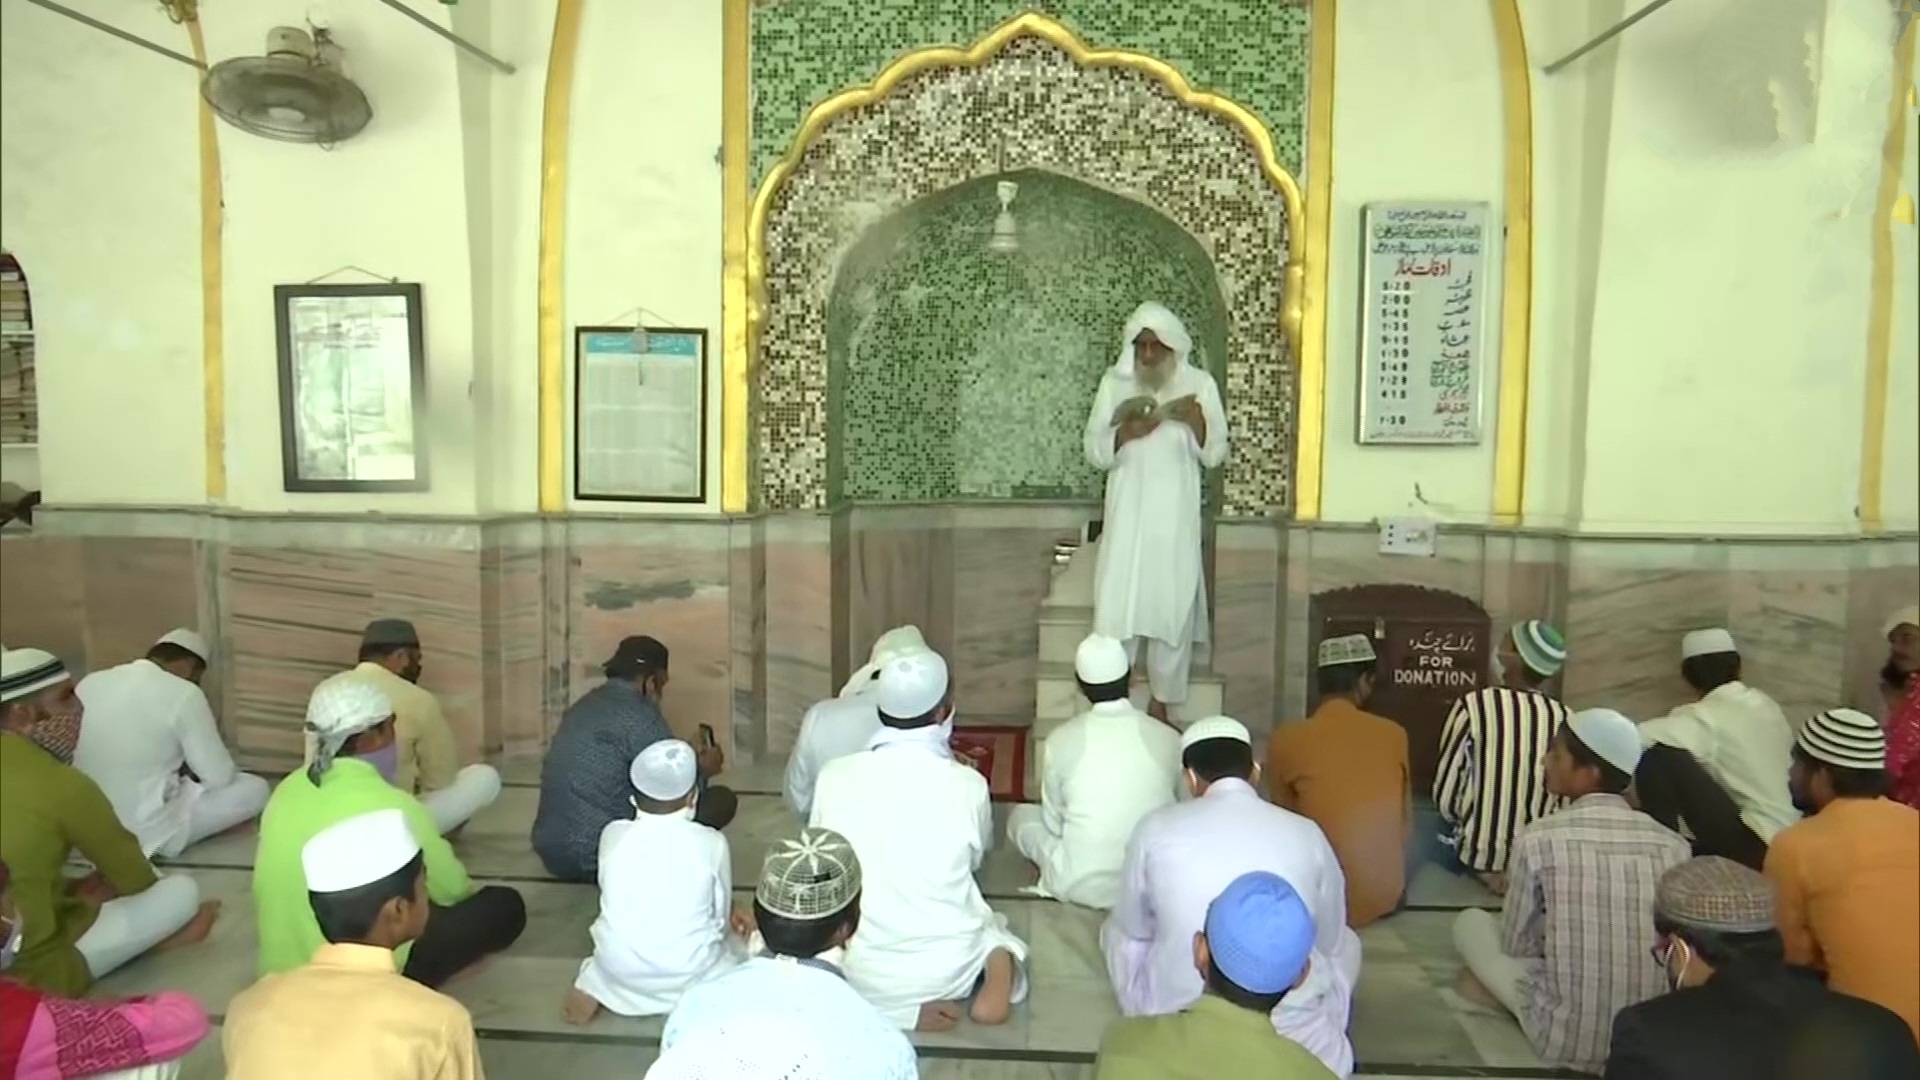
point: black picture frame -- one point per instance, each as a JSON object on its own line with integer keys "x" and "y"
{"x": 699, "y": 335}
{"x": 292, "y": 477}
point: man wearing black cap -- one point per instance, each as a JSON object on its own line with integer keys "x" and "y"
{"x": 586, "y": 782}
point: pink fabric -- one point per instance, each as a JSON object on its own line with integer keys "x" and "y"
{"x": 70, "y": 1038}
{"x": 1903, "y": 746}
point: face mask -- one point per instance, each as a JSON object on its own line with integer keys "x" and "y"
{"x": 386, "y": 759}
{"x": 1665, "y": 957}
{"x": 58, "y": 731}
{"x": 11, "y": 948}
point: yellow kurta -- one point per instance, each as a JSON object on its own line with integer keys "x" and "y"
{"x": 428, "y": 760}
{"x": 349, "y": 1013}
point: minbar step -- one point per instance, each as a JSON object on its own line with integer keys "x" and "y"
{"x": 1058, "y": 698}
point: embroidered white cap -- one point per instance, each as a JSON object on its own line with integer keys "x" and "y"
{"x": 1101, "y": 659}
{"x": 1706, "y": 643}
{"x": 1347, "y": 649}
{"x": 190, "y": 641}
{"x": 358, "y": 851}
{"x": 911, "y": 686}
{"x": 1214, "y": 727}
{"x": 664, "y": 770}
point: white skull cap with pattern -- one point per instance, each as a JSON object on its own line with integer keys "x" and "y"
{"x": 1347, "y": 649}
{"x": 190, "y": 641}
{"x": 664, "y": 770}
{"x": 809, "y": 877}
{"x": 1214, "y": 727}
{"x": 346, "y": 704}
{"x": 912, "y": 686}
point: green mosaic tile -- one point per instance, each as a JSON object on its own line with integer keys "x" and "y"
{"x": 959, "y": 372}
{"x": 804, "y": 51}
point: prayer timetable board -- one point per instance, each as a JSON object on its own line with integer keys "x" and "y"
{"x": 1424, "y": 290}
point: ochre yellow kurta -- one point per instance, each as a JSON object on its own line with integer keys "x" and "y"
{"x": 1347, "y": 770}
{"x": 349, "y": 1013}
{"x": 428, "y": 759}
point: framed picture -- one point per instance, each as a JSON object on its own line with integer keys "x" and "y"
{"x": 639, "y": 414}
{"x": 353, "y": 387}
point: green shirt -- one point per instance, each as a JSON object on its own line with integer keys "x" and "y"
{"x": 48, "y": 810}
{"x": 1213, "y": 1040}
{"x": 289, "y": 934}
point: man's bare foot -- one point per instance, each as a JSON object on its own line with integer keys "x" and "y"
{"x": 1475, "y": 991}
{"x": 994, "y": 1001}
{"x": 195, "y": 931}
{"x": 938, "y": 1016}
{"x": 581, "y": 1008}
{"x": 1496, "y": 883}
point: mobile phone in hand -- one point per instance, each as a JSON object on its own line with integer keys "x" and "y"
{"x": 707, "y": 741}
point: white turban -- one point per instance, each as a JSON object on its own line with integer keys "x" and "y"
{"x": 1165, "y": 325}
{"x": 341, "y": 707}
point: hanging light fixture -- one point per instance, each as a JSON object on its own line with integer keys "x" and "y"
{"x": 1006, "y": 234}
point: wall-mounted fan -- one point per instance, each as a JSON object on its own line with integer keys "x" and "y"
{"x": 297, "y": 92}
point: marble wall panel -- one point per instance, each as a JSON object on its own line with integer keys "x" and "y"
{"x": 798, "y": 663}
{"x": 439, "y": 591}
{"x": 43, "y": 595}
{"x": 513, "y": 649}
{"x": 1001, "y": 573}
{"x": 891, "y": 570}
{"x": 1787, "y": 610}
{"x": 1249, "y": 608}
{"x": 747, "y": 638}
{"x": 1628, "y": 604}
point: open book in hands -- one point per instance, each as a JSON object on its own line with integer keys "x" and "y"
{"x": 1138, "y": 408}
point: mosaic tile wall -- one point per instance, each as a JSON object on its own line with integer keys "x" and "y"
{"x": 955, "y": 371}
{"x": 1029, "y": 107}
{"x": 804, "y": 51}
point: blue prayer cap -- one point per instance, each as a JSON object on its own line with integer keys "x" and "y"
{"x": 1260, "y": 932}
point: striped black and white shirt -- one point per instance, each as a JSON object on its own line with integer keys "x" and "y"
{"x": 1492, "y": 779}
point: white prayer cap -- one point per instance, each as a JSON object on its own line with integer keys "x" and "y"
{"x": 358, "y": 851}
{"x": 1706, "y": 643}
{"x": 346, "y": 704}
{"x": 664, "y": 770}
{"x": 1214, "y": 727}
{"x": 1350, "y": 649}
{"x": 1101, "y": 659}
{"x": 911, "y": 686}
{"x": 188, "y": 640}
{"x": 1612, "y": 737}
{"x": 25, "y": 672}
{"x": 892, "y": 645}
{"x": 1906, "y": 616}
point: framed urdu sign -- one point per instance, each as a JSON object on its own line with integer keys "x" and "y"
{"x": 639, "y": 414}
{"x": 353, "y": 387}
{"x": 1424, "y": 293}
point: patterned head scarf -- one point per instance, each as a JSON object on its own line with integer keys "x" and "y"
{"x": 341, "y": 707}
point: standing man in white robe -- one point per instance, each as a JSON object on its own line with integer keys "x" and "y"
{"x": 153, "y": 746}
{"x": 844, "y": 725}
{"x": 1156, "y": 423}
{"x": 1182, "y": 857}
{"x": 1103, "y": 771}
{"x": 921, "y": 823}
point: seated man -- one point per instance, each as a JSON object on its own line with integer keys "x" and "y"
{"x": 1719, "y": 763}
{"x": 50, "y": 1037}
{"x": 74, "y": 931}
{"x": 807, "y": 907}
{"x": 1848, "y": 877}
{"x": 666, "y": 897}
{"x": 428, "y": 765}
{"x": 350, "y": 740}
{"x": 346, "y": 1011}
{"x": 1570, "y": 949}
{"x": 1492, "y": 779}
{"x": 1738, "y": 1012}
{"x": 1103, "y": 771}
{"x": 1251, "y": 952}
{"x": 921, "y": 822}
{"x": 153, "y": 746}
{"x": 1347, "y": 769}
{"x": 585, "y": 783}
{"x": 1183, "y": 856}
{"x": 843, "y": 725}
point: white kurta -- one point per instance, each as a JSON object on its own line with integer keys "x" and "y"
{"x": 1105, "y": 770}
{"x": 666, "y": 891}
{"x": 1744, "y": 741}
{"x": 1147, "y": 580}
{"x": 831, "y": 729}
{"x": 921, "y": 823}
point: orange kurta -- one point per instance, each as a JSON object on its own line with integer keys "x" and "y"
{"x": 1848, "y": 890}
{"x": 1347, "y": 770}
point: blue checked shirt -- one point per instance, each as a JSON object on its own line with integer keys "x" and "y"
{"x": 585, "y": 782}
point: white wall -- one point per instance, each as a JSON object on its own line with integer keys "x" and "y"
{"x": 99, "y": 183}
{"x": 644, "y": 198}
{"x": 1900, "y": 483}
{"x": 1412, "y": 119}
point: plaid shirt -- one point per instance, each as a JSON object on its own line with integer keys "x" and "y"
{"x": 1579, "y": 911}
{"x": 586, "y": 782}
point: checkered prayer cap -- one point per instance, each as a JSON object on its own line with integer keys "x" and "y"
{"x": 1712, "y": 893}
{"x": 810, "y": 877}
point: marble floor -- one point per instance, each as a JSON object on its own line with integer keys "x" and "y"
{"x": 1407, "y": 1021}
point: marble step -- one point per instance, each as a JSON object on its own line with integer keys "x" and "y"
{"x": 1058, "y": 698}
{"x": 1064, "y": 626}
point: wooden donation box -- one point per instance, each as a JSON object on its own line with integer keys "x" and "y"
{"x": 1434, "y": 647}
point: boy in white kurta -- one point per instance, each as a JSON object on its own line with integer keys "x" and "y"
{"x": 1156, "y": 423}
{"x": 666, "y": 897}
{"x": 921, "y": 822}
